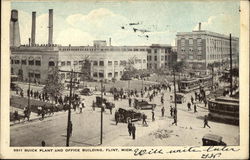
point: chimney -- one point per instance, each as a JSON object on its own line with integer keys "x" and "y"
{"x": 14, "y": 29}
{"x": 199, "y": 26}
{"x": 50, "y": 41}
{"x": 109, "y": 41}
{"x": 29, "y": 41}
{"x": 33, "y": 29}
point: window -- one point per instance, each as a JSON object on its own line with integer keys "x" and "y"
{"x": 31, "y": 62}
{"x": 155, "y": 58}
{"x": 38, "y": 63}
{"x": 17, "y": 61}
{"x": 166, "y": 58}
{"x": 144, "y": 60}
{"x": 67, "y": 75}
{"x": 95, "y": 63}
{"x": 155, "y": 66}
{"x": 116, "y": 74}
{"x": 75, "y": 62}
{"x": 123, "y": 63}
{"x": 182, "y": 42}
{"x": 155, "y": 50}
{"x": 31, "y": 74}
{"x": 37, "y": 75}
{"x": 12, "y": 70}
{"x": 101, "y": 63}
{"x": 51, "y": 63}
{"x": 135, "y": 49}
{"x": 80, "y": 62}
{"x": 101, "y": 75}
{"x": 95, "y": 74}
{"x": 63, "y": 63}
{"x": 149, "y": 58}
{"x": 68, "y": 63}
{"x": 12, "y": 61}
{"x": 116, "y": 63}
{"x": 199, "y": 41}
{"x": 24, "y": 62}
{"x": 110, "y": 63}
{"x": 62, "y": 76}
{"x": 109, "y": 74}
{"x": 162, "y": 58}
{"x": 149, "y": 50}
{"x": 190, "y": 41}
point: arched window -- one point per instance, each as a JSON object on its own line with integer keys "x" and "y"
{"x": 51, "y": 63}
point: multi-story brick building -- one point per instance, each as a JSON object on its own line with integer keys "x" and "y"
{"x": 160, "y": 56}
{"x": 200, "y": 48}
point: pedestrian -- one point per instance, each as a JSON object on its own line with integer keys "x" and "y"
{"x": 144, "y": 117}
{"x": 133, "y": 129}
{"x": 162, "y": 111}
{"x": 129, "y": 101}
{"x": 175, "y": 120}
{"x": 80, "y": 107}
{"x": 205, "y": 102}
{"x": 195, "y": 108}
{"x": 153, "y": 115}
{"x": 206, "y": 122}
{"x": 129, "y": 128}
{"x": 110, "y": 109}
{"x": 192, "y": 99}
{"x": 189, "y": 106}
{"x": 162, "y": 99}
{"x": 93, "y": 105}
{"x": 43, "y": 143}
{"x": 16, "y": 116}
{"x": 116, "y": 117}
{"x": 171, "y": 111}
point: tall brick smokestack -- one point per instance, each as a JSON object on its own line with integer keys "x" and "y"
{"x": 33, "y": 29}
{"x": 14, "y": 29}
{"x": 50, "y": 41}
{"x": 199, "y": 26}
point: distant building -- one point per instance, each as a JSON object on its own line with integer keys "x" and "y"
{"x": 201, "y": 48}
{"x": 160, "y": 56}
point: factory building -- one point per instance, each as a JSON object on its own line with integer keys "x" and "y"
{"x": 201, "y": 48}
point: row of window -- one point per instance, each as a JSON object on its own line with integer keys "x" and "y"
{"x": 31, "y": 62}
{"x": 103, "y": 49}
{"x": 191, "y": 41}
{"x": 159, "y": 50}
{"x": 149, "y": 58}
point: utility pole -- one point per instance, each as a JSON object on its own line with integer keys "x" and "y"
{"x": 101, "y": 112}
{"x": 175, "y": 105}
{"x": 29, "y": 95}
{"x": 231, "y": 63}
{"x": 69, "y": 123}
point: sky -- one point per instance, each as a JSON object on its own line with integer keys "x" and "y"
{"x": 81, "y": 22}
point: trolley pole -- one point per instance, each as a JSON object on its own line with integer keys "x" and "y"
{"x": 29, "y": 94}
{"x": 231, "y": 63}
{"x": 101, "y": 112}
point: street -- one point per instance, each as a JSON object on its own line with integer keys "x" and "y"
{"x": 86, "y": 127}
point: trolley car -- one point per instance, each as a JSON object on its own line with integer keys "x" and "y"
{"x": 188, "y": 85}
{"x": 224, "y": 109}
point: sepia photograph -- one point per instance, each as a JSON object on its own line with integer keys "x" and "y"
{"x": 124, "y": 74}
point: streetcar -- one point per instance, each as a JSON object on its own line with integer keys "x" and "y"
{"x": 188, "y": 85}
{"x": 224, "y": 109}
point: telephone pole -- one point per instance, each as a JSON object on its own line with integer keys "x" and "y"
{"x": 69, "y": 123}
{"x": 175, "y": 105}
{"x": 102, "y": 108}
{"x": 231, "y": 63}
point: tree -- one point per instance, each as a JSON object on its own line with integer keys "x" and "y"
{"x": 86, "y": 70}
{"x": 53, "y": 85}
{"x": 179, "y": 67}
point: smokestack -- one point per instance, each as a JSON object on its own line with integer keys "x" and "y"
{"x": 14, "y": 29}
{"x": 50, "y": 41}
{"x": 33, "y": 29}
{"x": 29, "y": 41}
{"x": 199, "y": 26}
{"x": 109, "y": 41}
